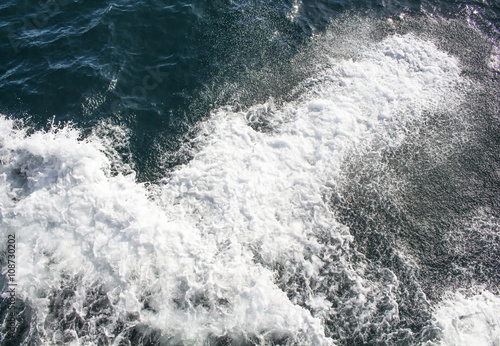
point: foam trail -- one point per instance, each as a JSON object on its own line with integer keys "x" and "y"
{"x": 469, "y": 321}
{"x": 266, "y": 192}
{"x": 209, "y": 256}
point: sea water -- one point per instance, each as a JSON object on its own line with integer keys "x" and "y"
{"x": 306, "y": 173}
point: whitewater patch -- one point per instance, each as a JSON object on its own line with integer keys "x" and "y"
{"x": 471, "y": 320}
{"x": 240, "y": 242}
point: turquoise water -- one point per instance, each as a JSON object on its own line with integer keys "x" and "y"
{"x": 250, "y": 172}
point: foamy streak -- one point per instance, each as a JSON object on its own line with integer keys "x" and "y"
{"x": 202, "y": 257}
{"x": 469, "y": 321}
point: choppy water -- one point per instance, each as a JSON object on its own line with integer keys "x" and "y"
{"x": 252, "y": 172}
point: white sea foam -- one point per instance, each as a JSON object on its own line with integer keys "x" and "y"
{"x": 201, "y": 260}
{"x": 469, "y": 321}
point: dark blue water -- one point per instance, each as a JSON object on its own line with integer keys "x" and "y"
{"x": 158, "y": 68}
{"x": 58, "y": 54}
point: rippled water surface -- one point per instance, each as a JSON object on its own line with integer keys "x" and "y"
{"x": 249, "y": 172}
